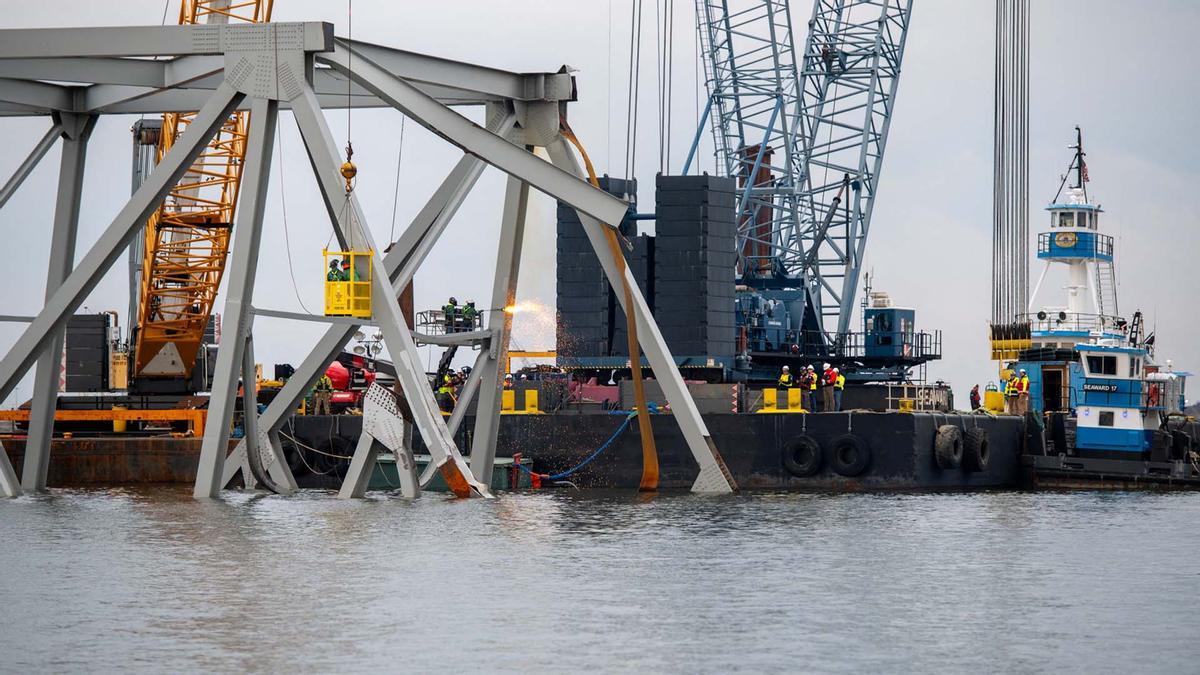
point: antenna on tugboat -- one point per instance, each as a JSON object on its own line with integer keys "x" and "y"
{"x": 1080, "y": 167}
{"x": 1081, "y": 177}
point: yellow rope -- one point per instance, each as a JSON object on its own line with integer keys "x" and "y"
{"x": 650, "y": 472}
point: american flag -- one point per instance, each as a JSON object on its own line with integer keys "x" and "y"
{"x": 1083, "y": 171}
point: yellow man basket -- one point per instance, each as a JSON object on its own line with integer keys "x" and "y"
{"x": 348, "y": 276}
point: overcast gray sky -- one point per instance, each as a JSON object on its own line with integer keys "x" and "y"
{"x": 1125, "y": 72}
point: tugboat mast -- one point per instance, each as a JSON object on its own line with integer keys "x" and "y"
{"x": 1074, "y": 240}
{"x": 1080, "y": 167}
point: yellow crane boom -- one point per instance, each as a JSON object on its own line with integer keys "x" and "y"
{"x": 187, "y": 239}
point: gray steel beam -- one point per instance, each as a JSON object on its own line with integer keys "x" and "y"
{"x": 76, "y": 132}
{"x": 145, "y": 101}
{"x": 467, "y": 135}
{"x": 449, "y": 339}
{"x": 37, "y": 95}
{"x": 239, "y": 295}
{"x": 316, "y": 318}
{"x": 125, "y": 41}
{"x": 385, "y": 304}
{"x": 402, "y": 261}
{"x": 255, "y": 438}
{"x": 185, "y": 71}
{"x": 116, "y": 237}
{"x": 491, "y": 82}
{"x": 714, "y": 476}
{"x": 382, "y": 426}
{"x": 464, "y": 398}
{"x": 137, "y": 72}
{"x": 504, "y": 294}
{"x": 249, "y": 402}
{"x": 9, "y": 485}
{"x": 31, "y": 161}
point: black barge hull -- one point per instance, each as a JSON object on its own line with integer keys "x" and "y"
{"x": 754, "y": 446}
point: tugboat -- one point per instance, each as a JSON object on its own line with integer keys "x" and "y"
{"x": 1101, "y": 411}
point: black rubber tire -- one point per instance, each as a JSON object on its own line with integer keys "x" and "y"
{"x": 976, "y": 450}
{"x": 849, "y": 455}
{"x": 948, "y": 447}
{"x": 802, "y": 456}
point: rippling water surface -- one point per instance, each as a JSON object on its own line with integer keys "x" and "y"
{"x": 151, "y": 580}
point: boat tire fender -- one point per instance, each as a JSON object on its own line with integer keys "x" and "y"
{"x": 976, "y": 451}
{"x": 948, "y": 447}
{"x": 1181, "y": 444}
{"x": 802, "y": 456}
{"x": 849, "y": 455}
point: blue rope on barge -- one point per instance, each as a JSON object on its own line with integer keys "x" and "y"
{"x": 588, "y": 460}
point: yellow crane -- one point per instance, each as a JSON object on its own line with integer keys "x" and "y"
{"x": 187, "y": 239}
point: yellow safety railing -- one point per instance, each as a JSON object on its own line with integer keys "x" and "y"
{"x": 508, "y": 403}
{"x": 348, "y": 276}
{"x": 791, "y": 403}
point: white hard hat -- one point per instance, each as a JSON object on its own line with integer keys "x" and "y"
{"x": 785, "y": 369}
{"x": 825, "y": 366}
{"x": 836, "y": 370}
{"x": 508, "y": 376}
{"x": 1022, "y": 370}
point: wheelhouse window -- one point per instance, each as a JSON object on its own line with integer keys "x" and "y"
{"x": 1102, "y": 365}
{"x": 1106, "y": 418}
{"x": 1066, "y": 219}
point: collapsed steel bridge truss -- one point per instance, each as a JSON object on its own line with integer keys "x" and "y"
{"x": 265, "y": 68}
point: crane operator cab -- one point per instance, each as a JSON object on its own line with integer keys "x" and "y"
{"x": 348, "y": 283}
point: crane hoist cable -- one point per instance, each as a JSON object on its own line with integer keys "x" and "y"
{"x": 396, "y": 190}
{"x": 635, "y": 66}
{"x": 287, "y": 239}
{"x": 650, "y": 473}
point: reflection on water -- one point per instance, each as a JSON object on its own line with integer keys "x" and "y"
{"x": 567, "y": 581}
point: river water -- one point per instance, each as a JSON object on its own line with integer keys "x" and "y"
{"x": 150, "y": 580}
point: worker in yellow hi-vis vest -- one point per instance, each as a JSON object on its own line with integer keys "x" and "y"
{"x": 786, "y": 381}
{"x": 838, "y": 386}
{"x": 323, "y": 396}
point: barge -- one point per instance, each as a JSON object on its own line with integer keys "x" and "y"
{"x": 843, "y": 451}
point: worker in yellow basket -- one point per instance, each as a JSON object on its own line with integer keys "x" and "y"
{"x": 786, "y": 381}
{"x": 347, "y": 273}
{"x": 335, "y": 272}
{"x": 838, "y": 386}
{"x": 323, "y": 396}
